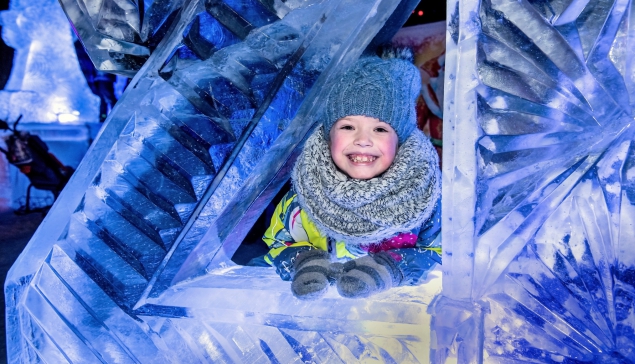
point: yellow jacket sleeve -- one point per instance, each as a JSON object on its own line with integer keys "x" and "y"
{"x": 286, "y": 229}
{"x": 291, "y": 231}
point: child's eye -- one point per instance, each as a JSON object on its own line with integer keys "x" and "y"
{"x": 346, "y": 127}
{"x": 381, "y": 130}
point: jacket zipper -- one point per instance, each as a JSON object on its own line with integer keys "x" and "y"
{"x": 332, "y": 249}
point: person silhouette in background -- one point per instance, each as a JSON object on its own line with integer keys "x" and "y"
{"x": 101, "y": 83}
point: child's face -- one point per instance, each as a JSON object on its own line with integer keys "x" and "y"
{"x": 362, "y": 147}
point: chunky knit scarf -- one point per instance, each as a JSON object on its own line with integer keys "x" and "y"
{"x": 368, "y": 211}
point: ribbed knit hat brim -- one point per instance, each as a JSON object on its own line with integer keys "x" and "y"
{"x": 378, "y": 88}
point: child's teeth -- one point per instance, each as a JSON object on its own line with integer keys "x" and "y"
{"x": 362, "y": 159}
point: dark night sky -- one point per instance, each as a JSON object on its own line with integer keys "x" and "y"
{"x": 426, "y": 12}
{"x": 431, "y": 11}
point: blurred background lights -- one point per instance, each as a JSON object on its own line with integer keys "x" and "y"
{"x": 68, "y": 118}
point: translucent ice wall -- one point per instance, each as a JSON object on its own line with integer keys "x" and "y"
{"x": 538, "y": 189}
{"x": 132, "y": 262}
{"x": 46, "y": 83}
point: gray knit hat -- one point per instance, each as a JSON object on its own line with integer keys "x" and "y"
{"x": 385, "y": 89}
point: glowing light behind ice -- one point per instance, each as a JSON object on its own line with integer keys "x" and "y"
{"x": 46, "y": 83}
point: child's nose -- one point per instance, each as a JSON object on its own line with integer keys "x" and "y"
{"x": 363, "y": 139}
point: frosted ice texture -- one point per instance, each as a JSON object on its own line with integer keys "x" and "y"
{"x": 120, "y": 35}
{"x": 538, "y": 233}
{"x": 46, "y": 83}
{"x": 132, "y": 263}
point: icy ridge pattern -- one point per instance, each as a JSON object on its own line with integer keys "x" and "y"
{"x": 132, "y": 263}
{"x": 120, "y": 35}
{"x": 539, "y": 102}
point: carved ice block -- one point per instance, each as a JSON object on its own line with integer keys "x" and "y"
{"x": 538, "y": 194}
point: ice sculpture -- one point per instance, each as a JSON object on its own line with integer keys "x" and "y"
{"x": 132, "y": 263}
{"x": 120, "y": 35}
{"x": 539, "y": 204}
{"x": 46, "y": 83}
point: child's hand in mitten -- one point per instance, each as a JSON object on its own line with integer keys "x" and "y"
{"x": 311, "y": 277}
{"x": 368, "y": 275}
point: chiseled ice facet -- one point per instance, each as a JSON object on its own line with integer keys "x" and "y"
{"x": 119, "y": 35}
{"x": 537, "y": 229}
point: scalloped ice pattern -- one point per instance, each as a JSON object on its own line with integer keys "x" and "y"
{"x": 539, "y": 240}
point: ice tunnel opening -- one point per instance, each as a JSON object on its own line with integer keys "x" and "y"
{"x": 253, "y": 248}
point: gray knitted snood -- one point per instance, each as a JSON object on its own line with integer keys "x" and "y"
{"x": 367, "y": 211}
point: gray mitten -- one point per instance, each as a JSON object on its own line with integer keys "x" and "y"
{"x": 365, "y": 276}
{"x": 310, "y": 280}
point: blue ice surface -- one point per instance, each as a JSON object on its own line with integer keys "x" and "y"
{"x": 537, "y": 220}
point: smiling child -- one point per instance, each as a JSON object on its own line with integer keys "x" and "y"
{"x": 364, "y": 209}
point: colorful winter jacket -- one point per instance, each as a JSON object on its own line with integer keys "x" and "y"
{"x": 292, "y": 231}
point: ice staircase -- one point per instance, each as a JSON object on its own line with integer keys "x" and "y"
{"x": 132, "y": 263}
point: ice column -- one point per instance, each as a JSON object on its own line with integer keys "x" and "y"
{"x": 538, "y": 198}
{"x": 46, "y": 83}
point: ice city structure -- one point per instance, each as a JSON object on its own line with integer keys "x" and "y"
{"x": 132, "y": 263}
{"x": 43, "y": 73}
{"x": 47, "y": 88}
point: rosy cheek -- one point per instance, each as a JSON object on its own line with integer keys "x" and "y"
{"x": 339, "y": 147}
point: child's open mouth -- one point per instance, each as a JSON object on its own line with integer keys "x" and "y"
{"x": 359, "y": 158}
